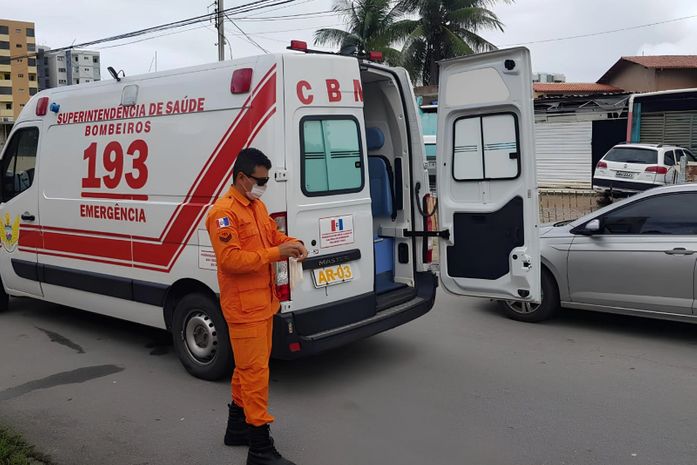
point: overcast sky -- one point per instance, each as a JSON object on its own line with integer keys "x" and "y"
{"x": 60, "y": 23}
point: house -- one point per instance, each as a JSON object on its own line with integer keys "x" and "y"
{"x": 652, "y": 73}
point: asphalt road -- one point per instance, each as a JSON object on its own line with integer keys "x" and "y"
{"x": 461, "y": 385}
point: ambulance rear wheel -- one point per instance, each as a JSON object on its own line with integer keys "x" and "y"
{"x": 201, "y": 338}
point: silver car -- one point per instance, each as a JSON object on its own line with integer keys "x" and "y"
{"x": 634, "y": 257}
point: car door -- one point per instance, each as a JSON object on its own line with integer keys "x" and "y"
{"x": 486, "y": 179}
{"x": 643, "y": 257}
{"x": 19, "y": 202}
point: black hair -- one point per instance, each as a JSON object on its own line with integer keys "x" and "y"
{"x": 247, "y": 161}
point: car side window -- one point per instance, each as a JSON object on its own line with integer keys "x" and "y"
{"x": 18, "y": 162}
{"x": 669, "y": 158}
{"x": 689, "y": 155}
{"x": 663, "y": 214}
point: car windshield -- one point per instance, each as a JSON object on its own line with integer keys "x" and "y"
{"x": 632, "y": 155}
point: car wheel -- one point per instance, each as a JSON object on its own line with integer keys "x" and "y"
{"x": 532, "y": 313}
{"x": 201, "y": 338}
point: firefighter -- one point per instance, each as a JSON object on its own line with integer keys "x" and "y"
{"x": 247, "y": 243}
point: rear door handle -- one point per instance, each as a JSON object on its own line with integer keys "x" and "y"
{"x": 679, "y": 251}
{"x": 26, "y": 216}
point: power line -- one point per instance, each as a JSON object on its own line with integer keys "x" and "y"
{"x": 289, "y": 17}
{"x": 150, "y": 38}
{"x": 248, "y": 7}
{"x": 594, "y": 34}
{"x": 280, "y": 8}
{"x": 249, "y": 39}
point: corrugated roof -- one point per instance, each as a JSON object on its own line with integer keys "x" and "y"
{"x": 665, "y": 61}
{"x": 574, "y": 88}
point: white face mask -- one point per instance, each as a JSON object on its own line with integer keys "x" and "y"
{"x": 256, "y": 192}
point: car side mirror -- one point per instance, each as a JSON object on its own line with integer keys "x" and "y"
{"x": 588, "y": 229}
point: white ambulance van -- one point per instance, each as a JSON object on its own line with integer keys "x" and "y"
{"x": 105, "y": 187}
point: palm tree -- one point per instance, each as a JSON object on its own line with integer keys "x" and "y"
{"x": 369, "y": 28}
{"x": 446, "y": 29}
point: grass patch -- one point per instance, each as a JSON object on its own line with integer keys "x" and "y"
{"x": 15, "y": 451}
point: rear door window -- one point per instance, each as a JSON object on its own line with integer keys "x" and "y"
{"x": 632, "y": 155}
{"x": 669, "y": 158}
{"x": 331, "y": 155}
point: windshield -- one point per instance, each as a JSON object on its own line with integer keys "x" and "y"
{"x": 632, "y": 155}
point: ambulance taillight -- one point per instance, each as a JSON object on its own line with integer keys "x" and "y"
{"x": 41, "y": 106}
{"x": 282, "y": 275}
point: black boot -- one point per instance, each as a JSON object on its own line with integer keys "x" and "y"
{"x": 261, "y": 448}
{"x": 237, "y": 432}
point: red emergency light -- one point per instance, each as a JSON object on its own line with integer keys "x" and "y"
{"x": 42, "y": 106}
{"x": 241, "y": 81}
{"x": 299, "y": 45}
{"x": 375, "y": 56}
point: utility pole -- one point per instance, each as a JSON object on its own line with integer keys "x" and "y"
{"x": 220, "y": 25}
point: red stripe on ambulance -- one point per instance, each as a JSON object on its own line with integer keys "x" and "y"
{"x": 146, "y": 254}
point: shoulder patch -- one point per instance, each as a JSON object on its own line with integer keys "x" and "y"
{"x": 225, "y": 236}
{"x": 223, "y": 222}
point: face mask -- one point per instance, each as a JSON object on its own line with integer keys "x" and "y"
{"x": 256, "y": 192}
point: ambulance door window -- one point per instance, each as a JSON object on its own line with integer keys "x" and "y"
{"x": 19, "y": 162}
{"x": 330, "y": 155}
{"x": 486, "y": 148}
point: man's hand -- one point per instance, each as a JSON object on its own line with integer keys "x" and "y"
{"x": 292, "y": 249}
{"x": 303, "y": 250}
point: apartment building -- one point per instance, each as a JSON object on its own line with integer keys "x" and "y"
{"x": 69, "y": 67}
{"x": 18, "y": 75}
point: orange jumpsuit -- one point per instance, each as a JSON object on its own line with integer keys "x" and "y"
{"x": 245, "y": 240}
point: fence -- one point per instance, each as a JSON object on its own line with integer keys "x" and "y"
{"x": 567, "y": 205}
{"x": 555, "y": 206}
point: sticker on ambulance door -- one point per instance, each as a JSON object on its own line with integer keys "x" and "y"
{"x": 334, "y": 231}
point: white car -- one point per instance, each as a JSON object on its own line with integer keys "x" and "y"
{"x": 631, "y": 168}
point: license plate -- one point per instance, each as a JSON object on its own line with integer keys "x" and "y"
{"x": 624, "y": 174}
{"x": 331, "y": 275}
{"x": 431, "y": 165}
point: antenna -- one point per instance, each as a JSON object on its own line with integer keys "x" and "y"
{"x": 114, "y": 74}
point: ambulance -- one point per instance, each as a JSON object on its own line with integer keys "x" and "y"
{"x": 105, "y": 188}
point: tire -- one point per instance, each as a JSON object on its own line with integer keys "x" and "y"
{"x": 533, "y": 313}
{"x": 201, "y": 338}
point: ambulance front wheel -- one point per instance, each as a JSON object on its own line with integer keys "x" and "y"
{"x": 201, "y": 338}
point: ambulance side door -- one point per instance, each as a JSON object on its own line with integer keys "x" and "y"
{"x": 486, "y": 178}
{"x": 19, "y": 211}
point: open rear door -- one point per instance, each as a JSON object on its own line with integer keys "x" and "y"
{"x": 486, "y": 179}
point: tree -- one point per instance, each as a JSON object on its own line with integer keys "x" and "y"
{"x": 369, "y": 28}
{"x": 446, "y": 29}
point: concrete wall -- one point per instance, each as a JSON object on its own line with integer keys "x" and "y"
{"x": 668, "y": 79}
{"x": 635, "y": 78}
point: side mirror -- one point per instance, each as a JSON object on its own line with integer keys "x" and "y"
{"x": 588, "y": 229}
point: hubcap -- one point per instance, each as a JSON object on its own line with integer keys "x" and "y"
{"x": 523, "y": 307}
{"x": 200, "y": 337}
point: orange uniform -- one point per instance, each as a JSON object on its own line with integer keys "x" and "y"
{"x": 245, "y": 239}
